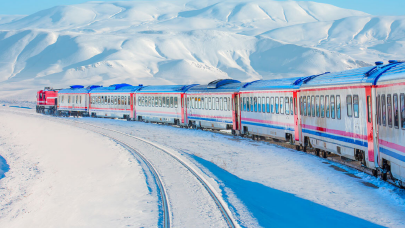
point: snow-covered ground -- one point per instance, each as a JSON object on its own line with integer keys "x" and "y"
{"x": 69, "y": 178}
{"x": 264, "y": 185}
{"x": 187, "y": 41}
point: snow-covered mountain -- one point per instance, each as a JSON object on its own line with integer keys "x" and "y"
{"x": 185, "y": 41}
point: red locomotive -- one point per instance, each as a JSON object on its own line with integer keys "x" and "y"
{"x": 47, "y": 100}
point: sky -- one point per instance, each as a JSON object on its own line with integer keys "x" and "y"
{"x": 374, "y": 7}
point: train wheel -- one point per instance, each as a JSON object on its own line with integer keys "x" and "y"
{"x": 325, "y": 154}
{"x": 384, "y": 176}
{"x": 304, "y": 148}
{"x": 297, "y": 147}
{"x": 374, "y": 172}
{"x": 317, "y": 151}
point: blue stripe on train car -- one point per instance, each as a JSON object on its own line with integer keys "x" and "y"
{"x": 208, "y": 119}
{"x": 335, "y": 137}
{"x": 268, "y": 126}
{"x": 392, "y": 154}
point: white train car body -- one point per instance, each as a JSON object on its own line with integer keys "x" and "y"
{"x": 212, "y": 106}
{"x": 390, "y": 123}
{"x": 75, "y": 100}
{"x": 113, "y": 101}
{"x": 269, "y": 109}
{"x": 161, "y": 104}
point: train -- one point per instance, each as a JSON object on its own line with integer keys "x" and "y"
{"x": 358, "y": 114}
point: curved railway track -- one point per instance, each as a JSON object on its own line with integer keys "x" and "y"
{"x": 226, "y": 213}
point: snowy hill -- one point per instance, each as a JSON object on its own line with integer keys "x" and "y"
{"x": 184, "y": 41}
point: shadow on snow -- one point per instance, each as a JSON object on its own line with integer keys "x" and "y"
{"x": 275, "y": 208}
{"x": 4, "y": 167}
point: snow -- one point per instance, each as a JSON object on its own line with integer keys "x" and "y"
{"x": 184, "y": 41}
{"x": 262, "y": 182}
{"x": 69, "y": 178}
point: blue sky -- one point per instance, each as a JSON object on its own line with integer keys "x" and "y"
{"x": 375, "y": 7}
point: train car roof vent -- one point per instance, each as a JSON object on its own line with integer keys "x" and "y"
{"x": 93, "y": 86}
{"x": 187, "y": 87}
{"x": 307, "y": 79}
{"x": 220, "y": 82}
{"x": 141, "y": 85}
{"x": 249, "y": 83}
{"x": 117, "y": 86}
{"x": 379, "y": 63}
{"x": 76, "y": 87}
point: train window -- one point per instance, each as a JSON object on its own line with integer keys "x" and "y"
{"x": 109, "y": 99}
{"x": 356, "y": 106}
{"x": 125, "y": 100}
{"x": 247, "y": 104}
{"x": 402, "y": 101}
{"x": 80, "y": 99}
{"x": 313, "y": 105}
{"x": 119, "y": 100}
{"x": 160, "y": 101}
{"x": 202, "y": 103}
{"x": 77, "y": 99}
{"x": 255, "y": 104}
{"x": 263, "y": 104}
{"x": 317, "y": 106}
{"x": 338, "y": 107}
{"x": 379, "y": 110}
{"x": 152, "y": 102}
{"x": 369, "y": 108}
{"x": 281, "y": 105}
{"x": 277, "y": 111}
{"x": 349, "y": 105}
{"x": 229, "y": 104}
{"x": 272, "y": 104}
{"x": 309, "y": 105}
{"x": 129, "y": 100}
{"x": 156, "y": 102}
{"x": 68, "y": 99}
{"x": 287, "y": 106}
{"x": 327, "y": 106}
{"x": 63, "y": 97}
{"x": 251, "y": 104}
{"x": 322, "y": 106}
{"x": 167, "y": 102}
{"x": 217, "y": 103}
{"x": 115, "y": 100}
{"x": 206, "y": 103}
{"x": 332, "y": 106}
{"x": 389, "y": 111}
{"x": 291, "y": 106}
{"x": 220, "y": 103}
{"x": 267, "y": 104}
{"x": 209, "y": 103}
{"x": 304, "y": 101}
{"x": 175, "y": 102}
{"x": 396, "y": 114}
{"x": 259, "y": 104}
{"x": 225, "y": 104}
{"x": 164, "y": 102}
{"x": 171, "y": 102}
{"x": 384, "y": 110}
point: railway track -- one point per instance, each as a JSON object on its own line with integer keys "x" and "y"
{"x": 226, "y": 213}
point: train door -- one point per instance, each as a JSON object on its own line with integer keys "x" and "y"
{"x": 236, "y": 112}
{"x": 133, "y": 106}
{"x": 183, "y": 114}
{"x": 185, "y": 109}
{"x": 376, "y": 107}
{"x": 296, "y": 125}
{"x": 369, "y": 118}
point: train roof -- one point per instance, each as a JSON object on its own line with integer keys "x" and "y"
{"x": 78, "y": 89}
{"x": 117, "y": 88}
{"x": 166, "y": 88}
{"x": 220, "y": 85}
{"x": 395, "y": 72}
{"x": 367, "y": 75}
{"x": 274, "y": 84}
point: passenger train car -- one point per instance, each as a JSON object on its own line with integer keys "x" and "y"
{"x": 358, "y": 114}
{"x": 269, "y": 109}
{"x": 162, "y": 104}
{"x": 213, "y": 106}
{"x": 113, "y": 101}
{"x": 74, "y": 100}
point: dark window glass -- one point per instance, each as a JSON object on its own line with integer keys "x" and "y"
{"x": 384, "y": 110}
{"x": 349, "y": 105}
{"x": 309, "y": 105}
{"x": 248, "y": 104}
{"x": 313, "y": 105}
{"x": 276, "y": 105}
{"x": 389, "y": 107}
{"x": 292, "y": 106}
{"x": 281, "y": 105}
{"x": 327, "y": 106}
{"x": 317, "y": 107}
{"x": 287, "y": 105}
{"x": 268, "y": 104}
{"x": 302, "y": 106}
{"x": 272, "y": 104}
{"x": 396, "y": 112}
{"x": 378, "y": 110}
{"x": 305, "y": 105}
{"x": 369, "y": 109}
{"x": 259, "y": 104}
{"x": 356, "y": 106}
{"x": 332, "y": 106}
{"x": 264, "y": 104}
{"x": 255, "y": 104}
{"x": 338, "y": 109}
{"x": 322, "y": 106}
{"x": 402, "y": 98}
